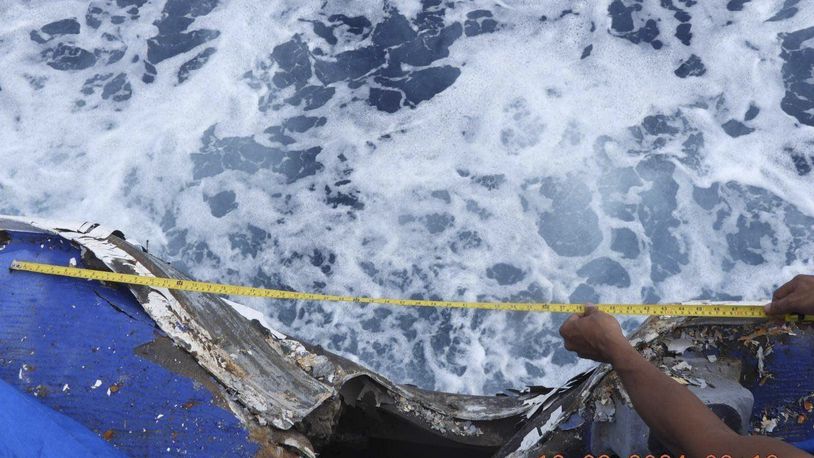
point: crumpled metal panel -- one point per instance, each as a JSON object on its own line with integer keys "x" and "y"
{"x": 219, "y": 338}
{"x": 283, "y": 382}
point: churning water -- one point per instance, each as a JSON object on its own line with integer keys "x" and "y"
{"x": 625, "y": 150}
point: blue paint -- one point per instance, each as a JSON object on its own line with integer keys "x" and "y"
{"x": 807, "y": 445}
{"x": 59, "y": 331}
{"x": 791, "y": 364}
{"x": 28, "y": 428}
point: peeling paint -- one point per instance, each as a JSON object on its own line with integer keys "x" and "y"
{"x": 314, "y": 377}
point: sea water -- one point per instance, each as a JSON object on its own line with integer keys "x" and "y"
{"x": 625, "y": 151}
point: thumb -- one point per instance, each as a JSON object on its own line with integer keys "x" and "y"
{"x": 590, "y": 309}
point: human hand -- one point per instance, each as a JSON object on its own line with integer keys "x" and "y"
{"x": 796, "y": 296}
{"x": 594, "y": 335}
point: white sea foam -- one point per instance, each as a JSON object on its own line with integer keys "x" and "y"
{"x": 525, "y": 106}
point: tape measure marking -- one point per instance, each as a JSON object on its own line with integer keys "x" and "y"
{"x": 704, "y": 310}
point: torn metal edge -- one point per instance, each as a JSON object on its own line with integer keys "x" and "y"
{"x": 429, "y": 410}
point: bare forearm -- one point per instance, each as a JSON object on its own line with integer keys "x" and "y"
{"x": 674, "y": 414}
{"x": 671, "y": 411}
{"x": 681, "y": 420}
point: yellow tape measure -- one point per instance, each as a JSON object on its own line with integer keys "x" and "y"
{"x": 705, "y": 310}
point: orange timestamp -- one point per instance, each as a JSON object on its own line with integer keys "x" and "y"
{"x": 560, "y": 455}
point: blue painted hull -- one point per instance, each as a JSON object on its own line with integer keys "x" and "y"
{"x": 86, "y": 351}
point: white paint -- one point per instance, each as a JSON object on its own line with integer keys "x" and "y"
{"x": 537, "y": 433}
{"x": 167, "y": 313}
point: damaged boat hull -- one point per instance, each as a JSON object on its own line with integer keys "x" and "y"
{"x": 91, "y": 353}
{"x": 147, "y": 371}
{"x": 154, "y": 371}
{"x": 756, "y": 375}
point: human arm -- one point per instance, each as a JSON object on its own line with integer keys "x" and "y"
{"x": 677, "y": 417}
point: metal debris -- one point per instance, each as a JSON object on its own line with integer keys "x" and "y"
{"x": 679, "y": 346}
{"x": 322, "y": 367}
{"x": 113, "y": 389}
{"x": 536, "y": 434}
{"x": 761, "y": 368}
{"x": 604, "y": 410}
{"x": 647, "y": 338}
{"x": 767, "y": 425}
{"x": 766, "y": 331}
{"x": 573, "y": 422}
{"x": 697, "y": 381}
{"x": 438, "y": 421}
{"x": 682, "y": 366}
{"x": 39, "y": 391}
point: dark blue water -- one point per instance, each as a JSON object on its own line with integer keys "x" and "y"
{"x": 630, "y": 151}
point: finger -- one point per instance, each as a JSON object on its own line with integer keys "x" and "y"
{"x": 785, "y": 290}
{"x": 774, "y": 313}
{"x": 785, "y": 305}
{"x": 590, "y": 356}
{"x": 590, "y": 309}
{"x": 567, "y": 324}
